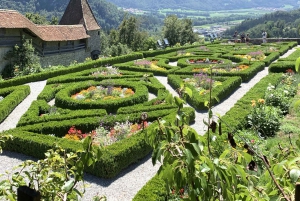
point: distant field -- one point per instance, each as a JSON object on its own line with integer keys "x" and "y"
{"x": 223, "y": 13}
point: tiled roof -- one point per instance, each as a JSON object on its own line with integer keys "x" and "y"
{"x": 62, "y": 32}
{"x": 79, "y": 12}
{"x": 13, "y": 19}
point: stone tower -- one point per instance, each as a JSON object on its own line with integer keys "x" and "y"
{"x": 80, "y": 12}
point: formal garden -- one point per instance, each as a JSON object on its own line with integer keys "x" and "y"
{"x": 117, "y": 111}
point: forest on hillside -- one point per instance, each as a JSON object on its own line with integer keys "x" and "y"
{"x": 280, "y": 24}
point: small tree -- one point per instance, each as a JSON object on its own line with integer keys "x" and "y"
{"x": 23, "y": 60}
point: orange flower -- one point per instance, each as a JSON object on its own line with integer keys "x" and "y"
{"x": 129, "y": 91}
{"x": 91, "y": 88}
{"x": 261, "y": 101}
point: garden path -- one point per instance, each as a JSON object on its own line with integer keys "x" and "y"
{"x": 13, "y": 118}
{"x": 130, "y": 181}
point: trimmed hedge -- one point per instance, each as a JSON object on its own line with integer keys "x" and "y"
{"x": 115, "y": 157}
{"x": 246, "y": 75}
{"x": 282, "y": 66}
{"x": 12, "y": 97}
{"x": 229, "y": 84}
{"x": 153, "y": 53}
{"x": 163, "y": 63}
{"x": 82, "y": 66}
{"x": 153, "y": 190}
{"x": 63, "y": 97}
{"x": 35, "y": 113}
{"x": 86, "y": 75}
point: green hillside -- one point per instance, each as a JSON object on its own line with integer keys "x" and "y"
{"x": 203, "y": 5}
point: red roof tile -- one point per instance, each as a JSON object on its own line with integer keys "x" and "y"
{"x": 13, "y": 19}
{"x": 62, "y": 32}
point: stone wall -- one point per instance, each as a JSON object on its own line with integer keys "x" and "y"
{"x": 64, "y": 58}
{"x": 94, "y": 41}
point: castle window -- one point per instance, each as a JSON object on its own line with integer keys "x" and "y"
{"x": 2, "y": 31}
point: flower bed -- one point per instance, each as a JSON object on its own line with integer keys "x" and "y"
{"x": 204, "y": 61}
{"x": 106, "y": 135}
{"x": 148, "y": 64}
{"x": 253, "y": 56}
{"x": 199, "y": 84}
{"x": 112, "y": 71}
{"x": 107, "y": 100}
{"x": 95, "y": 93}
{"x": 225, "y": 68}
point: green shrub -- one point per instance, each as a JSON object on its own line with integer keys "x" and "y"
{"x": 297, "y": 65}
{"x": 12, "y": 97}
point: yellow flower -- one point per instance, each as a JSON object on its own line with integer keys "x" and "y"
{"x": 261, "y": 101}
{"x": 253, "y": 103}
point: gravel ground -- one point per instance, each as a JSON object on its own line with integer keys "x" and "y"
{"x": 131, "y": 180}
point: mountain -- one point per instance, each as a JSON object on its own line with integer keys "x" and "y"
{"x": 203, "y": 5}
{"x": 279, "y": 24}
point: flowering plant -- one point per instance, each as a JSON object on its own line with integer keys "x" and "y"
{"x": 76, "y": 134}
{"x": 121, "y": 130}
{"x": 148, "y": 64}
{"x": 107, "y": 72}
{"x": 104, "y": 93}
{"x": 263, "y": 118}
{"x": 104, "y": 135}
{"x": 202, "y": 83}
{"x": 223, "y": 68}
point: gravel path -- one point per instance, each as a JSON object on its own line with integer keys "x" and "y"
{"x": 130, "y": 181}
{"x": 12, "y": 119}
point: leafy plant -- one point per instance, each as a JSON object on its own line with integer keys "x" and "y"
{"x": 193, "y": 170}
{"x": 57, "y": 177}
{"x": 264, "y": 119}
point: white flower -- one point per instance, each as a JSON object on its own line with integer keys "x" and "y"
{"x": 79, "y": 97}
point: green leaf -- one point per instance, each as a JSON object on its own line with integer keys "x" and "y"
{"x": 188, "y": 91}
{"x": 86, "y": 142}
{"x": 294, "y": 175}
{"x": 205, "y": 168}
{"x": 210, "y": 113}
{"x": 206, "y": 103}
{"x": 68, "y": 185}
{"x": 169, "y": 99}
{"x": 179, "y": 102}
{"x": 197, "y": 147}
{"x": 189, "y": 156}
{"x": 156, "y": 155}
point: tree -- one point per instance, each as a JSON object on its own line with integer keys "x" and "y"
{"x": 23, "y": 60}
{"x": 36, "y": 18}
{"x": 186, "y": 32}
{"x": 130, "y": 34}
{"x": 178, "y": 30}
{"x": 171, "y": 29}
